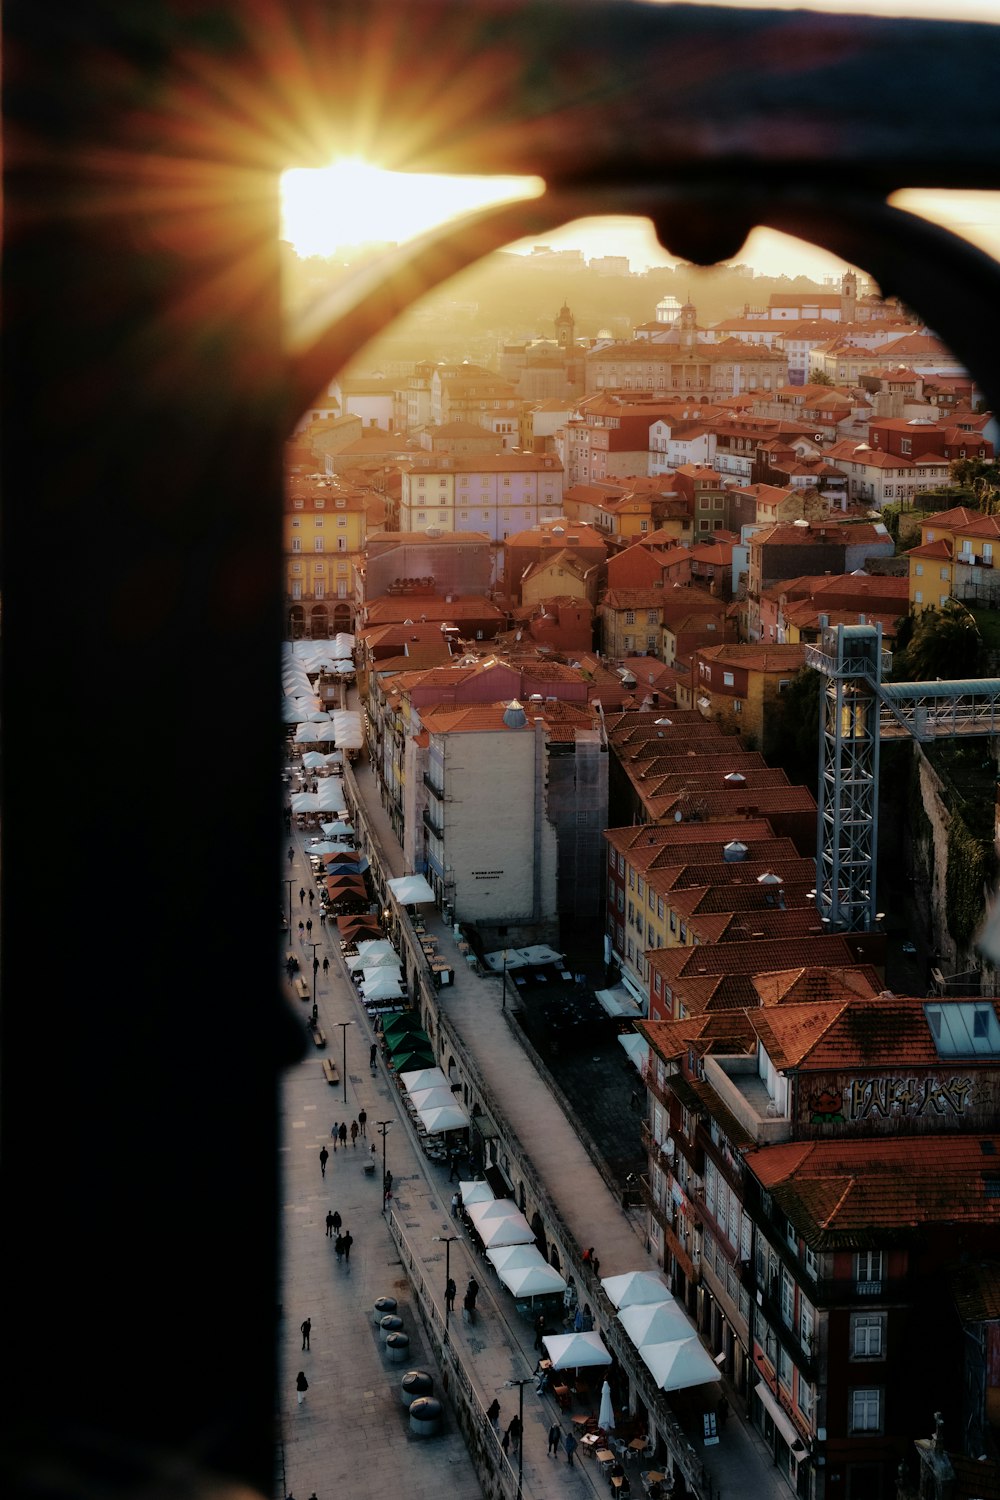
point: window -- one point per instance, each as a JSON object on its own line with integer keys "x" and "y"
{"x": 652, "y": 616}
{"x": 918, "y": 597}
{"x": 651, "y": 899}
{"x": 785, "y": 1370}
{"x": 944, "y": 574}
{"x": 296, "y": 523}
{"x": 737, "y": 705}
{"x": 987, "y": 552}
{"x": 317, "y": 544}
{"x": 787, "y": 1299}
{"x": 640, "y": 888}
{"x": 868, "y": 1271}
{"x": 805, "y": 1398}
{"x": 341, "y": 520}
{"x": 630, "y": 617}
{"x": 866, "y": 1409}
{"x": 867, "y": 1335}
{"x": 812, "y": 1263}
{"x": 727, "y": 679}
{"x": 296, "y": 567}
{"x": 319, "y": 589}
{"x": 296, "y": 589}
{"x": 919, "y": 570}
{"x": 296, "y": 544}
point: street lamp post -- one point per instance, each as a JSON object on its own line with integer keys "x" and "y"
{"x": 343, "y": 1035}
{"x": 315, "y": 1014}
{"x": 289, "y": 885}
{"x": 447, "y": 1240}
{"x": 520, "y": 1437}
{"x": 383, "y": 1126}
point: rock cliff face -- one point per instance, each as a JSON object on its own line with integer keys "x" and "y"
{"x": 950, "y": 870}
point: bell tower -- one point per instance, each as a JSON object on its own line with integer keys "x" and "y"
{"x": 565, "y": 327}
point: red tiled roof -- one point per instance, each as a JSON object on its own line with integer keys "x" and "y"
{"x": 853, "y": 1192}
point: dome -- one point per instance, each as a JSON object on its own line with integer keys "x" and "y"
{"x": 514, "y": 715}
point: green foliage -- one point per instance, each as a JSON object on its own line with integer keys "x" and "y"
{"x": 982, "y": 476}
{"x": 792, "y": 729}
{"x": 819, "y": 377}
{"x": 945, "y": 644}
{"x": 969, "y": 868}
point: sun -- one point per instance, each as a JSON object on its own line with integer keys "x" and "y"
{"x": 355, "y": 203}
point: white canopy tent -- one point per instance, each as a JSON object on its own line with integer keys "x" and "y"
{"x": 315, "y": 733}
{"x": 576, "y": 1351}
{"x": 538, "y": 954}
{"x": 370, "y": 962}
{"x": 337, "y": 829}
{"x": 475, "y": 1192}
{"x": 494, "y": 1208}
{"x": 368, "y": 952}
{"x": 347, "y": 730}
{"x": 450, "y": 1117}
{"x": 655, "y": 1322}
{"x": 636, "y": 1049}
{"x": 532, "y": 1281}
{"x": 440, "y": 1097}
{"x": 423, "y": 1078}
{"x": 515, "y": 1257}
{"x": 512, "y": 1230}
{"x": 679, "y": 1364}
{"x": 381, "y": 984}
{"x": 410, "y": 890}
{"x": 635, "y": 1286}
{"x": 618, "y": 1002}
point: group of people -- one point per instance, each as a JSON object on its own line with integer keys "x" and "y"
{"x": 340, "y": 1130}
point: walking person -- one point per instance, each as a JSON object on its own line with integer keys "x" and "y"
{"x": 342, "y": 1133}
{"x": 372, "y": 1055}
{"x": 493, "y": 1414}
{"x": 312, "y": 897}
{"x": 326, "y": 961}
{"x": 309, "y": 928}
{"x": 291, "y": 854}
{"x": 336, "y": 1221}
{"x": 363, "y": 1121}
{"x": 514, "y": 1431}
{"x": 302, "y": 932}
{"x": 555, "y": 1439}
{"x": 302, "y": 894}
{"x": 324, "y": 1157}
{"x": 722, "y": 1412}
{"x": 454, "y": 1205}
{"x": 570, "y": 1445}
{"x": 354, "y": 1134}
{"x": 338, "y": 1245}
{"x": 335, "y": 1132}
{"x": 301, "y": 1386}
{"x": 539, "y": 1330}
{"x": 348, "y": 1242}
{"x": 450, "y": 1293}
{"x": 329, "y": 1225}
{"x": 306, "y": 1329}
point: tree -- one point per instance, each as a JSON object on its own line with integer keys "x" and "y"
{"x": 982, "y": 476}
{"x": 945, "y": 645}
{"x": 819, "y": 377}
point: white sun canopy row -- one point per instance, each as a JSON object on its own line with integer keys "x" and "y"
{"x": 524, "y": 1271}
{"x": 660, "y": 1330}
{"x": 319, "y": 656}
{"x": 500, "y": 1222}
{"x": 523, "y": 958}
{"x": 433, "y": 1100}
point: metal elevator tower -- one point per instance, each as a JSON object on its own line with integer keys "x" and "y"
{"x": 856, "y": 714}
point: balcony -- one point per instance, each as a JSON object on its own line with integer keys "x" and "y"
{"x": 432, "y": 787}
{"x": 437, "y": 829}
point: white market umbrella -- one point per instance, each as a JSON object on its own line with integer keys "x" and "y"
{"x": 410, "y": 889}
{"x": 635, "y": 1286}
{"x": 379, "y": 961}
{"x": 515, "y": 1257}
{"x": 452, "y": 1117}
{"x": 512, "y": 1230}
{"x": 314, "y": 734}
{"x": 475, "y": 1192}
{"x": 433, "y": 1098}
{"x": 495, "y": 1208}
{"x": 423, "y": 1078}
{"x": 301, "y": 802}
{"x": 606, "y": 1415}
{"x": 325, "y": 846}
{"x": 313, "y": 759}
{"x": 333, "y": 829}
{"x": 679, "y": 1364}
{"x": 654, "y": 1322}
{"x": 575, "y": 1351}
{"x": 533, "y": 1281}
{"x": 375, "y": 945}
{"x": 366, "y": 956}
{"x": 382, "y": 985}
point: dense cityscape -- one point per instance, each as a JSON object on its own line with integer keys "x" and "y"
{"x": 640, "y": 684}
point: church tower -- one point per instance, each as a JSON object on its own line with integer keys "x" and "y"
{"x": 565, "y": 326}
{"x": 687, "y": 324}
{"x": 848, "y": 297}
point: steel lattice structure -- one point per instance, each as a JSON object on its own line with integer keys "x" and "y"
{"x": 857, "y": 713}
